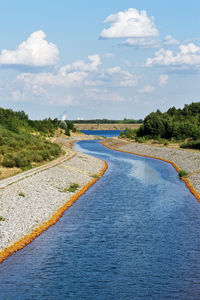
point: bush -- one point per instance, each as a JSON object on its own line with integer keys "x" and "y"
{"x": 21, "y": 194}
{"x": 67, "y": 132}
{"x": 183, "y": 173}
{"x": 192, "y": 144}
{"x": 9, "y": 161}
{"x": 72, "y": 188}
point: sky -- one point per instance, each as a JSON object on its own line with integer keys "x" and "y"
{"x": 98, "y": 59}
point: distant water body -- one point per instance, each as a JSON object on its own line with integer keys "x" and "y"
{"x": 134, "y": 235}
{"x": 104, "y": 133}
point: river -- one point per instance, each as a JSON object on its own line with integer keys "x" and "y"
{"x": 133, "y": 235}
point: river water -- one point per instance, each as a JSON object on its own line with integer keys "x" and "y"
{"x": 135, "y": 234}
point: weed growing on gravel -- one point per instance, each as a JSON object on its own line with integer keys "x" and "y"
{"x": 183, "y": 173}
{"x": 95, "y": 175}
{"x": 2, "y": 218}
{"x": 72, "y": 188}
{"x": 21, "y": 194}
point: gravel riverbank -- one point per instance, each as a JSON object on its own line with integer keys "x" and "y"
{"x": 188, "y": 160}
{"x": 28, "y": 203}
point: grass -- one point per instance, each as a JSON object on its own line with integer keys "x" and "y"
{"x": 72, "y": 188}
{"x": 182, "y": 173}
{"x": 21, "y": 194}
{"x": 95, "y": 175}
{"x": 2, "y": 218}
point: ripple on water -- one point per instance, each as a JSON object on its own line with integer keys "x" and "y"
{"x": 134, "y": 235}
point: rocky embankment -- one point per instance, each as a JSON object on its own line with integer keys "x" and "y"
{"x": 188, "y": 160}
{"x": 31, "y": 201}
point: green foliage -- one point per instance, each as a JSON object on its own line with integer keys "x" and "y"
{"x": 2, "y": 218}
{"x": 95, "y": 175}
{"x": 67, "y": 126}
{"x": 192, "y": 144}
{"x": 183, "y": 173}
{"x": 67, "y": 132}
{"x": 21, "y": 194}
{"x": 128, "y": 133}
{"x": 175, "y": 123}
{"x": 72, "y": 188}
{"x": 22, "y": 141}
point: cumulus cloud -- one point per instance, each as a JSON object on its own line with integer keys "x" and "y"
{"x": 147, "y": 89}
{"x": 188, "y": 56}
{"x": 129, "y": 23}
{"x": 35, "y": 51}
{"x": 163, "y": 78}
{"x": 80, "y": 65}
{"x": 120, "y": 77}
{"x": 67, "y": 76}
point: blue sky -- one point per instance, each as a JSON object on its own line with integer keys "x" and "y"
{"x": 99, "y": 59}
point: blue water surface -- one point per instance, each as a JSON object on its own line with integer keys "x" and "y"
{"x": 135, "y": 234}
{"x": 103, "y": 133}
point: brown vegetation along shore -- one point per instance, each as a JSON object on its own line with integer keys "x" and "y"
{"x": 179, "y": 158}
{"x": 106, "y": 126}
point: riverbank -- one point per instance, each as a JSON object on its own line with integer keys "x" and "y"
{"x": 181, "y": 159}
{"x": 31, "y": 205}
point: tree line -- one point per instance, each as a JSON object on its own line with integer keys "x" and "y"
{"x": 174, "y": 125}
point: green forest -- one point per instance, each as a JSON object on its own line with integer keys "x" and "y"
{"x": 175, "y": 125}
{"x": 24, "y": 142}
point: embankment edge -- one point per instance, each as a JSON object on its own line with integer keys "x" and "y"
{"x": 186, "y": 180}
{"x": 27, "y": 239}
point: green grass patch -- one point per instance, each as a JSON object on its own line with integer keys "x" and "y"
{"x": 72, "y": 188}
{"x": 21, "y": 194}
{"x": 182, "y": 173}
{"x": 95, "y": 175}
{"x": 2, "y": 218}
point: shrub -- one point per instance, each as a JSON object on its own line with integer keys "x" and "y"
{"x": 183, "y": 173}
{"x": 9, "y": 161}
{"x": 67, "y": 132}
{"x": 21, "y": 194}
{"x": 95, "y": 175}
{"x": 72, "y": 188}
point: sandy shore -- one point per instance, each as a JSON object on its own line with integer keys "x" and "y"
{"x": 30, "y": 202}
{"x": 184, "y": 159}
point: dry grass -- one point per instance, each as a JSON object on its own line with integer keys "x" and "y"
{"x": 7, "y": 172}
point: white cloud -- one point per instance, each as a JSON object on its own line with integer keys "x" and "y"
{"x": 170, "y": 41}
{"x": 188, "y": 56}
{"x": 120, "y": 77}
{"x": 130, "y": 23}
{"x": 67, "y": 76}
{"x": 163, "y": 78}
{"x": 80, "y": 65}
{"x": 147, "y": 89}
{"x": 147, "y": 42}
{"x": 142, "y": 43}
{"x": 35, "y": 51}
